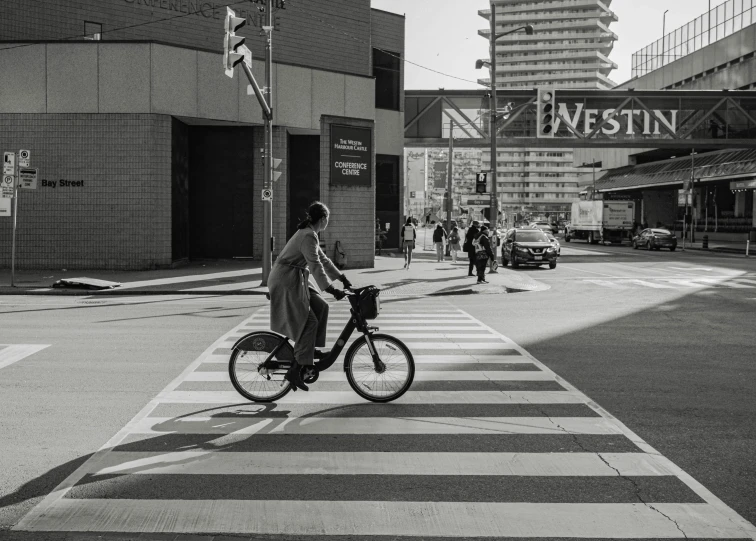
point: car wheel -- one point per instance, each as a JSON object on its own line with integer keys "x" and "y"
{"x": 635, "y": 245}
{"x": 672, "y": 248}
{"x": 552, "y": 265}
{"x": 515, "y": 263}
{"x": 649, "y": 246}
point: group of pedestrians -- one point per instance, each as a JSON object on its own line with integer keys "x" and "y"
{"x": 477, "y": 245}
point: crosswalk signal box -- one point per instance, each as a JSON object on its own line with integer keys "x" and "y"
{"x": 481, "y": 182}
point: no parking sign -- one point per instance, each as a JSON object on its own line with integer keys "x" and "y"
{"x": 6, "y": 187}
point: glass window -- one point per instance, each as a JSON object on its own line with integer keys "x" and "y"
{"x": 737, "y": 23}
{"x": 92, "y": 31}
{"x": 387, "y": 73}
{"x": 728, "y": 9}
{"x": 738, "y": 7}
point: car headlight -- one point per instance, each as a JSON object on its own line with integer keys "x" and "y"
{"x": 552, "y": 249}
{"x": 522, "y": 250}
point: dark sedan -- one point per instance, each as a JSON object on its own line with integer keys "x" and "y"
{"x": 655, "y": 239}
{"x": 528, "y": 247}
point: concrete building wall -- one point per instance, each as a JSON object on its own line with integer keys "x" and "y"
{"x": 727, "y": 63}
{"x": 115, "y": 214}
{"x": 304, "y": 36}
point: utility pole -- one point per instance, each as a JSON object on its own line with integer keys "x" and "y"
{"x": 494, "y": 203}
{"x": 268, "y": 175}
{"x": 450, "y": 172}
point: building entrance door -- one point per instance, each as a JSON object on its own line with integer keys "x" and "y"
{"x": 221, "y": 192}
{"x": 387, "y": 198}
{"x": 304, "y": 177}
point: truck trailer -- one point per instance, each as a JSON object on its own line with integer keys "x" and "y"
{"x": 600, "y": 221}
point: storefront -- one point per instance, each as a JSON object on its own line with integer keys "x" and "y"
{"x": 719, "y": 201}
{"x": 148, "y": 155}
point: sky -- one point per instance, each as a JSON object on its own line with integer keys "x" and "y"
{"x": 443, "y": 35}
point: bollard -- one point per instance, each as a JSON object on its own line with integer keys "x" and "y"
{"x": 705, "y": 243}
{"x": 748, "y": 247}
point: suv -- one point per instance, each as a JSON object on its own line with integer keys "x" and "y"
{"x": 527, "y": 247}
{"x": 543, "y": 226}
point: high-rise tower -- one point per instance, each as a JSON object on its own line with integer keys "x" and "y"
{"x": 569, "y": 48}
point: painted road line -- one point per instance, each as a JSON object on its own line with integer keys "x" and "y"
{"x": 683, "y": 282}
{"x": 227, "y": 287}
{"x": 411, "y": 397}
{"x": 471, "y": 358}
{"x": 421, "y": 346}
{"x": 204, "y": 462}
{"x": 606, "y": 283}
{"x": 354, "y": 519}
{"x": 377, "y": 425}
{"x": 12, "y": 353}
{"x": 745, "y": 281}
{"x": 724, "y": 282}
{"x": 651, "y": 284}
{"x": 338, "y": 375}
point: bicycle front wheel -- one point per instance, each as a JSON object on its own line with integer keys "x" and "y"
{"x": 384, "y": 383}
{"x": 250, "y": 377}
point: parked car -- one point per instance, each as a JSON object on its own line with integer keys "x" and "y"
{"x": 554, "y": 242}
{"x": 543, "y": 226}
{"x": 655, "y": 239}
{"x": 528, "y": 247}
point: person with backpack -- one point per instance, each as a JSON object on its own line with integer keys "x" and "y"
{"x": 472, "y": 232}
{"x": 483, "y": 252}
{"x": 408, "y": 234}
{"x": 454, "y": 239}
{"x": 439, "y": 236}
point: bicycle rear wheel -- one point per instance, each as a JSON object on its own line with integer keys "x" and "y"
{"x": 374, "y": 385}
{"x": 250, "y": 377}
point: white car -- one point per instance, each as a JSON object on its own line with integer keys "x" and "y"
{"x": 554, "y": 242}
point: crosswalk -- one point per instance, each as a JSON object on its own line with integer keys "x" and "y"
{"x": 488, "y": 442}
{"x": 677, "y": 283}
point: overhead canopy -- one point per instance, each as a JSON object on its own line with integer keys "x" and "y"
{"x": 719, "y": 165}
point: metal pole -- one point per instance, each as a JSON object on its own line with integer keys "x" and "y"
{"x": 450, "y": 172}
{"x": 693, "y": 222}
{"x": 492, "y": 130}
{"x": 268, "y": 175}
{"x": 15, "y": 217}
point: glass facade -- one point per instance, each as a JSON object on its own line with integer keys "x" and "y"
{"x": 720, "y": 22}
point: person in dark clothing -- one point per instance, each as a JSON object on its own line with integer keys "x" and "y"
{"x": 470, "y": 236}
{"x": 439, "y": 236}
{"x": 483, "y": 253}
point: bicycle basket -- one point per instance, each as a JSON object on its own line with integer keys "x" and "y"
{"x": 369, "y": 303}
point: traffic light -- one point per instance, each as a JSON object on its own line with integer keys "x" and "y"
{"x": 481, "y": 181}
{"x": 231, "y": 42}
{"x": 546, "y": 110}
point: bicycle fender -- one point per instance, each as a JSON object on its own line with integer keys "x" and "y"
{"x": 248, "y": 335}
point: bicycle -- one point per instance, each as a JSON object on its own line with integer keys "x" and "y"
{"x": 378, "y": 367}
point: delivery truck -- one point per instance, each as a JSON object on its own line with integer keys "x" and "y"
{"x": 600, "y": 221}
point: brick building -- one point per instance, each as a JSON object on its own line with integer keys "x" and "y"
{"x": 128, "y": 99}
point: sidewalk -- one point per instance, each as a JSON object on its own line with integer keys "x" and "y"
{"x": 425, "y": 277}
{"x": 727, "y": 247}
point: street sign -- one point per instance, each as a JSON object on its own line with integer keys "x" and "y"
{"x": 24, "y": 158}
{"x": 5, "y": 207}
{"x": 7, "y": 186}
{"x": 267, "y": 195}
{"x": 9, "y": 163}
{"x": 27, "y": 178}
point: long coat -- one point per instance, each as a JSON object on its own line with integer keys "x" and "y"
{"x": 289, "y": 281}
{"x": 472, "y": 234}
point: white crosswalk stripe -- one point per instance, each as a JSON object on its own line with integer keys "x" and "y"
{"x": 722, "y": 282}
{"x": 488, "y": 442}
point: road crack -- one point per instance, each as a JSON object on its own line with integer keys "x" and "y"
{"x": 619, "y": 474}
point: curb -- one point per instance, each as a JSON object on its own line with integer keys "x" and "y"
{"x": 115, "y": 292}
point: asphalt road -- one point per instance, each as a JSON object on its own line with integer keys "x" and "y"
{"x": 664, "y": 342}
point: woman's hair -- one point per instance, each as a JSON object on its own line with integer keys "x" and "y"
{"x": 315, "y": 213}
{"x": 409, "y": 221}
{"x": 439, "y": 224}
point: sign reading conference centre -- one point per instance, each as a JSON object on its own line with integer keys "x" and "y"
{"x": 351, "y": 155}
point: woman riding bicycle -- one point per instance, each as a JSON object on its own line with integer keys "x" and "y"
{"x": 296, "y": 309}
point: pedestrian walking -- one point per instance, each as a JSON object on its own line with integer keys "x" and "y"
{"x": 408, "y": 235}
{"x": 472, "y": 233}
{"x": 454, "y": 239}
{"x": 483, "y": 252}
{"x": 439, "y": 236}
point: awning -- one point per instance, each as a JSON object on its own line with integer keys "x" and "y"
{"x": 712, "y": 166}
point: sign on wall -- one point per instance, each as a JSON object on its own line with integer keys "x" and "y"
{"x": 351, "y": 155}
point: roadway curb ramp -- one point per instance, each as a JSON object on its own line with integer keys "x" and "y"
{"x": 85, "y": 283}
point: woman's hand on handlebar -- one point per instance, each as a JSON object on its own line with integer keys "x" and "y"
{"x": 337, "y": 293}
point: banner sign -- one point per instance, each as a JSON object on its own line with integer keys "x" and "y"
{"x": 351, "y": 155}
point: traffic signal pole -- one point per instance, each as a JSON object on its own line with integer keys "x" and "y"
{"x": 268, "y": 175}
{"x": 449, "y": 185}
{"x": 494, "y": 180}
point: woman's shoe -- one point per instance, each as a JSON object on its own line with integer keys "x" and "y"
{"x": 294, "y": 377}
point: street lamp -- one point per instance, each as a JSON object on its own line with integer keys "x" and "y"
{"x": 492, "y": 130}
